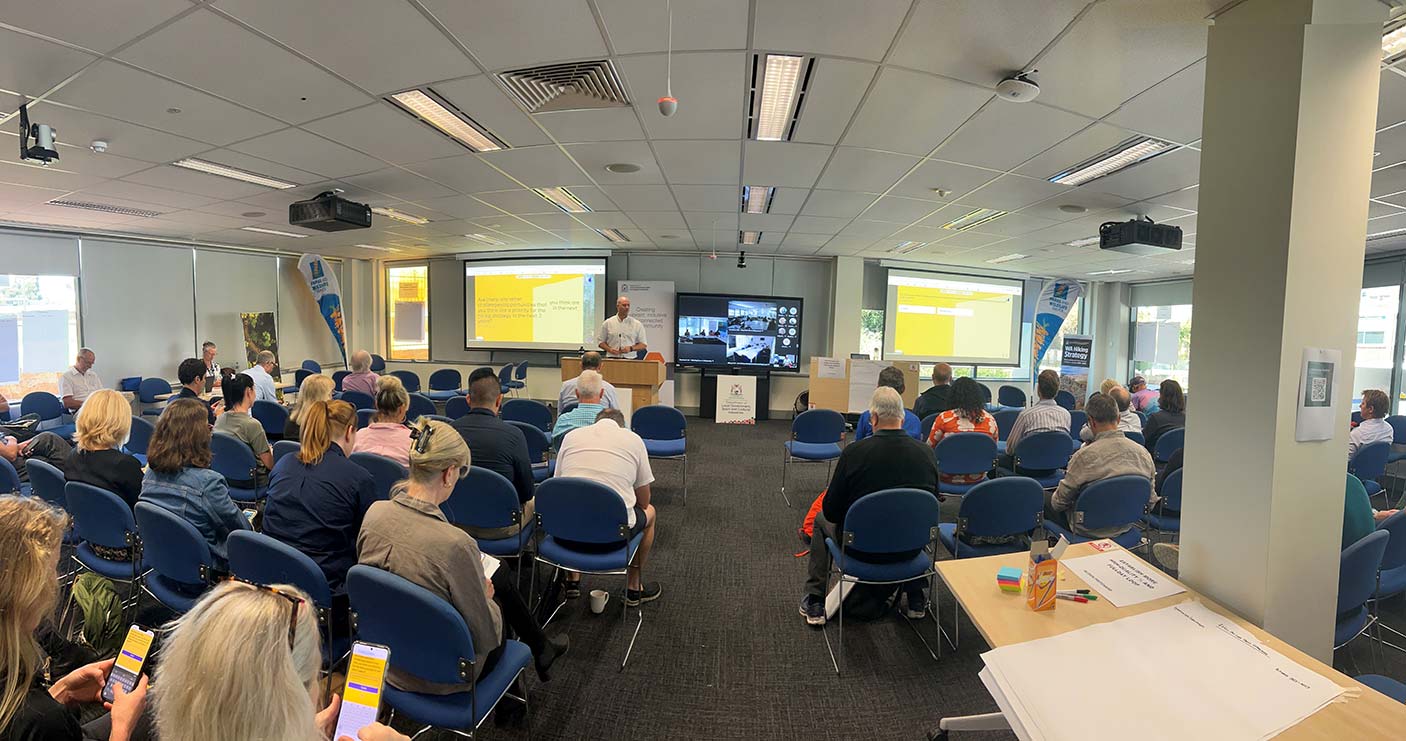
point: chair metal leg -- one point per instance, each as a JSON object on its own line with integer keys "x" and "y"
{"x": 983, "y": 722}
{"x": 624, "y": 613}
{"x": 825, "y": 629}
{"x": 685, "y": 480}
{"x": 785, "y": 464}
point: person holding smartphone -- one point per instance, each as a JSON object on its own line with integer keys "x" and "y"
{"x": 31, "y": 533}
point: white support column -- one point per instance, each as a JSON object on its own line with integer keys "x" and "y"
{"x": 848, "y": 299}
{"x": 1291, "y": 101}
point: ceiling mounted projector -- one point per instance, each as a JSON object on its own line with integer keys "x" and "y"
{"x": 329, "y": 212}
{"x": 1138, "y": 237}
{"x": 1018, "y": 88}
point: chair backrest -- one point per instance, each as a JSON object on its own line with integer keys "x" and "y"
{"x": 385, "y": 471}
{"x": 172, "y": 546}
{"x": 520, "y": 373}
{"x": 927, "y": 424}
{"x": 582, "y": 510}
{"x": 1356, "y": 416}
{"x": 419, "y": 405}
{"x": 965, "y": 453}
{"x": 99, "y": 516}
{"x": 1077, "y": 419}
{"x": 1368, "y": 463}
{"x": 1398, "y": 429}
{"x": 985, "y": 392}
{"x": 378, "y": 363}
{"x": 1395, "y": 555}
{"x": 363, "y": 418}
{"x": 568, "y": 405}
{"x": 1141, "y": 415}
{"x": 1005, "y": 420}
{"x": 9, "y": 478}
{"x": 312, "y": 366}
{"x": 338, "y": 377}
{"x": 409, "y": 379}
{"x": 1010, "y": 505}
{"x": 538, "y": 443}
{"x": 1064, "y": 399}
{"x": 301, "y": 375}
{"x": 530, "y": 411}
{"x": 149, "y": 388}
{"x": 359, "y": 400}
{"x": 1136, "y": 437}
{"x": 446, "y": 379}
{"x": 1112, "y": 502}
{"x": 272, "y": 415}
{"x": 1045, "y": 451}
{"x": 818, "y": 426}
{"x": 483, "y": 499}
{"x": 505, "y": 374}
{"x": 46, "y": 482}
{"x": 231, "y": 458}
{"x": 284, "y": 447}
{"x": 140, "y": 437}
{"x": 892, "y": 521}
{"x": 1173, "y": 440}
{"x": 42, "y": 403}
{"x": 258, "y": 558}
{"x": 1357, "y": 571}
{"x": 659, "y": 422}
{"x": 1010, "y": 396}
{"x": 427, "y": 637}
{"x": 1171, "y": 490}
{"x": 456, "y": 407}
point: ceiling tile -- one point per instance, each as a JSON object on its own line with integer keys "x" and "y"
{"x": 955, "y": 179}
{"x": 465, "y": 173}
{"x": 706, "y": 223}
{"x": 866, "y": 170}
{"x": 1012, "y": 192}
{"x": 537, "y": 167}
{"x": 658, "y": 219}
{"x": 831, "y": 27}
{"x": 309, "y": 152}
{"x": 1377, "y": 209}
{"x": 595, "y": 156}
{"x": 1091, "y": 201}
{"x": 149, "y": 194}
{"x": 783, "y": 163}
{"x": 981, "y": 40}
{"x": 1005, "y": 134}
{"x": 190, "y": 181}
{"x": 383, "y": 131}
{"x": 900, "y": 210}
{"x": 971, "y": 239}
{"x": 522, "y": 33}
{"x": 723, "y": 198}
{"x": 680, "y": 238}
{"x": 23, "y": 196}
{"x": 556, "y": 222}
{"x": 600, "y": 124}
{"x": 76, "y": 159}
{"x": 606, "y": 220}
{"x": 1391, "y": 99}
{"x": 836, "y": 87}
{"x": 818, "y": 225}
{"x": 398, "y": 183}
{"x": 31, "y": 66}
{"x": 812, "y": 241}
{"x": 44, "y": 177}
{"x": 259, "y": 166}
{"x": 1014, "y": 225}
{"x": 700, "y": 162}
{"x": 1170, "y": 110}
{"x": 124, "y": 139}
{"x": 636, "y": 26}
{"x": 104, "y": 26}
{"x": 519, "y": 202}
{"x": 912, "y": 112}
{"x": 788, "y": 200}
{"x": 867, "y": 228}
{"x": 642, "y": 197}
{"x": 1185, "y": 199}
{"x": 768, "y": 223}
{"x": 1075, "y": 149}
{"x": 1161, "y": 174}
{"x": 708, "y": 85}
{"x": 488, "y": 105}
{"x": 838, "y": 203}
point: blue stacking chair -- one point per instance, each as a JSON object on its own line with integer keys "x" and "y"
{"x": 1393, "y": 570}
{"x": 1385, "y": 685}
{"x": 505, "y": 379}
{"x": 1010, "y": 396}
{"x": 532, "y": 412}
{"x": 966, "y": 454}
{"x": 299, "y": 376}
{"x": 815, "y": 438}
{"x": 1162, "y": 520}
{"x": 1173, "y": 440}
{"x": 284, "y": 447}
{"x": 272, "y": 415}
{"x": 50, "y": 411}
{"x": 1065, "y": 399}
{"x": 359, "y": 400}
{"x": 985, "y": 393}
{"x": 311, "y": 366}
{"x": 1110, "y": 502}
{"x": 139, "y": 438}
{"x": 663, "y": 430}
{"x": 363, "y": 418}
{"x": 1358, "y": 581}
{"x": 1045, "y": 451}
{"x": 429, "y": 639}
{"x": 101, "y": 518}
{"x": 420, "y": 405}
{"x": 231, "y": 458}
{"x": 258, "y": 558}
{"x": 578, "y": 510}
{"x": 1141, "y": 416}
{"x": 10, "y": 480}
{"x": 1135, "y": 437}
{"x": 445, "y": 384}
{"x": 1356, "y": 414}
{"x": 181, "y": 565}
{"x": 1005, "y": 419}
{"x": 47, "y": 483}
{"x": 385, "y": 471}
{"x": 409, "y": 379}
{"x": 539, "y": 446}
{"x": 485, "y": 499}
{"x": 519, "y": 381}
{"x": 1367, "y": 464}
{"x": 1010, "y": 505}
{"x": 882, "y": 523}
{"x": 456, "y": 407}
{"x": 338, "y": 377}
{"x": 148, "y": 390}
{"x": 926, "y": 426}
{"x": 378, "y": 363}
{"x": 1077, "y": 419}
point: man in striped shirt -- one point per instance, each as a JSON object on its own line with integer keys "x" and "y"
{"x": 1045, "y": 415}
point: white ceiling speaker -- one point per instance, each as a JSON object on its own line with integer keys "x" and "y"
{"x": 1018, "y": 88}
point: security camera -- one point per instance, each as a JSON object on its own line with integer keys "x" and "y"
{"x": 1018, "y": 88}
{"x": 43, "y": 136}
{"x": 98, "y": 146}
{"x": 668, "y": 105}
{"x": 742, "y": 260}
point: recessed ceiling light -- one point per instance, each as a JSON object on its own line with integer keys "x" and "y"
{"x": 391, "y": 213}
{"x": 274, "y": 232}
{"x": 614, "y": 235}
{"x": 173, "y": 111}
{"x": 973, "y": 219}
{"x": 253, "y": 214}
{"x": 430, "y": 107}
{"x": 233, "y": 173}
{"x": 1110, "y": 272}
{"x": 1085, "y": 242}
{"x": 106, "y": 208}
{"x": 1007, "y": 258}
{"x": 484, "y": 238}
{"x": 756, "y": 199}
{"x": 1128, "y": 153}
{"x": 378, "y": 249}
{"x": 749, "y": 237}
{"x": 563, "y": 199}
{"x": 776, "y": 94}
{"x": 1394, "y": 41}
{"x": 1072, "y": 208}
{"x": 668, "y": 236}
{"x": 622, "y": 168}
{"x": 903, "y": 248}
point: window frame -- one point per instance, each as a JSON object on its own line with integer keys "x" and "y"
{"x": 77, "y": 316}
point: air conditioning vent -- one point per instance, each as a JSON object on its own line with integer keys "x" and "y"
{"x": 106, "y": 208}
{"x": 567, "y": 87}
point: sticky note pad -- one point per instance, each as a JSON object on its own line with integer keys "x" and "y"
{"x": 1009, "y": 573}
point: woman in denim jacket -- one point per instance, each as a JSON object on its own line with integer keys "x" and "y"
{"x": 179, "y": 477}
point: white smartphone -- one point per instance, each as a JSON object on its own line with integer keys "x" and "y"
{"x": 127, "y": 669}
{"x": 366, "y": 677}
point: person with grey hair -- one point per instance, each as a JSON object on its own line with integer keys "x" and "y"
{"x": 79, "y": 381}
{"x": 892, "y": 378}
{"x": 888, "y": 459}
{"x": 1128, "y": 421}
{"x": 208, "y": 351}
{"x": 589, "y": 388}
{"x": 1110, "y": 454}
{"x": 265, "y": 388}
{"x": 567, "y": 396}
{"x": 621, "y": 335}
{"x": 361, "y": 378}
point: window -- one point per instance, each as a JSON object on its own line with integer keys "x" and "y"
{"x": 1161, "y": 346}
{"x": 1370, "y": 338}
{"x": 408, "y": 313}
{"x": 38, "y": 332}
{"x": 1376, "y": 339}
{"x": 871, "y": 332}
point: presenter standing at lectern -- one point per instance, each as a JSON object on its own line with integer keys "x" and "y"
{"x": 621, "y": 336}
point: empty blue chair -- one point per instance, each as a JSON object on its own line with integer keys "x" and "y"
{"x": 985, "y": 393}
{"x": 10, "y": 480}
{"x": 101, "y": 518}
{"x": 663, "y": 430}
{"x": 47, "y": 483}
{"x": 1167, "y": 518}
{"x": 50, "y": 411}
{"x": 299, "y": 376}
{"x": 519, "y": 377}
{"x": 484, "y": 499}
{"x": 234, "y": 460}
{"x": 378, "y": 363}
{"x": 338, "y": 377}
{"x": 1392, "y": 580}
{"x": 148, "y": 390}
{"x": 1113, "y": 502}
{"x": 1010, "y": 396}
{"x": 139, "y": 438}
{"x": 181, "y": 565}
{"x": 445, "y": 384}
{"x": 505, "y": 379}
{"x": 1077, "y": 419}
{"x": 1011, "y": 505}
{"x": 456, "y": 407}
{"x": 1385, "y": 685}
{"x": 1005, "y": 420}
{"x": 1065, "y": 399}
{"x": 538, "y": 447}
{"x": 385, "y": 471}
{"x": 258, "y": 558}
{"x": 1357, "y": 584}
{"x": 1173, "y": 440}
{"x": 420, "y": 405}
{"x": 272, "y": 415}
{"x": 1398, "y": 436}
{"x": 363, "y": 418}
{"x": 311, "y": 366}
{"x": 429, "y": 639}
{"x": 882, "y": 526}
{"x": 358, "y": 400}
{"x": 532, "y": 412}
{"x": 815, "y": 438}
{"x": 1142, "y": 416}
{"x": 409, "y": 379}
{"x": 1367, "y": 464}
{"x": 1045, "y": 451}
{"x": 1136, "y": 437}
{"x": 284, "y": 447}
{"x": 926, "y": 426}
{"x": 964, "y": 454}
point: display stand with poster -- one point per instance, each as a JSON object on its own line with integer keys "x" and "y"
{"x": 261, "y": 333}
{"x": 1074, "y": 367}
{"x": 851, "y": 391}
{"x": 736, "y": 400}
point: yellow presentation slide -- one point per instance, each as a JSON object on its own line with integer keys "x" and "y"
{"x": 364, "y": 675}
{"x": 134, "y": 650}
{"x": 536, "y": 307}
{"x": 948, "y": 319}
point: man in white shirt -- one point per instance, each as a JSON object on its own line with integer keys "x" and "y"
{"x": 1374, "y": 427}
{"x": 621, "y": 336}
{"x": 609, "y": 453}
{"x": 1128, "y": 421}
{"x": 567, "y": 397}
{"x": 264, "y": 387}
{"x": 80, "y": 381}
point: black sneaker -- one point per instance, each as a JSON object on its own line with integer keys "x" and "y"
{"x": 813, "y": 609}
{"x": 555, "y": 647}
{"x": 636, "y": 597}
{"x": 571, "y": 589}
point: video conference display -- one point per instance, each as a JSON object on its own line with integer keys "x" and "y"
{"x": 721, "y": 330}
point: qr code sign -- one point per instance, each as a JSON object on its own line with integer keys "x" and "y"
{"x": 1319, "y": 391}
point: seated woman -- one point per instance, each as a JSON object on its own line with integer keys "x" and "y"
{"x": 31, "y": 707}
{"x": 104, "y": 422}
{"x": 387, "y": 434}
{"x": 967, "y": 415}
{"x": 1170, "y": 415}
{"x": 236, "y": 421}
{"x": 315, "y": 388}
{"x": 410, "y": 537}
{"x": 265, "y": 640}
{"x": 181, "y": 481}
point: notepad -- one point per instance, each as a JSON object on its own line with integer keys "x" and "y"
{"x": 490, "y": 565}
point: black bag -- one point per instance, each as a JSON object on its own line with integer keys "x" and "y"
{"x": 21, "y": 429}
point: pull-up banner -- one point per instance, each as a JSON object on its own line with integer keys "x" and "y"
{"x": 323, "y": 283}
{"x": 1057, "y": 296}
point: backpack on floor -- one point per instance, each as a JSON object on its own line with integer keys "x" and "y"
{"x": 102, "y": 613}
{"x": 801, "y": 404}
{"x": 807, "y": 528}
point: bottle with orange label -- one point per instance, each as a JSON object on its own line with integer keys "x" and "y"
{"x": 1042, "y": 575}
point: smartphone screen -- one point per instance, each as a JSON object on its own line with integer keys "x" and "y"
{"x": 366, "y": 675}
{"x": 128, "y": 666}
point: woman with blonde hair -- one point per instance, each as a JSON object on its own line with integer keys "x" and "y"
{"x": 31, "y": 534}
{"x": 315, "y": 388}
{"x": 104, "y": 422}
{"x": 387, "y": 435}
{"x": 263, "y": 638}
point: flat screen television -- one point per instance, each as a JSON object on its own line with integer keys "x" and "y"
{"x": 723, "y": 330}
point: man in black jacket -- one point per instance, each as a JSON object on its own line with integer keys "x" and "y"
{"x": 496, "y": 445}
{"x": 935, "y": 399}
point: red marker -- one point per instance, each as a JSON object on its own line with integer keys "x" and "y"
{"x": 1072, "y": 598}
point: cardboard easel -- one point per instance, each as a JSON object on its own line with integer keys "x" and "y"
{"x": 833, "y": 393}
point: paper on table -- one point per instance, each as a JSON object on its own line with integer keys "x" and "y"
{"x": 863, "y": 378}
{"x": 1122, "y": 578}
{"x": 490, "y": 565}
{"x": 829, "y": 367}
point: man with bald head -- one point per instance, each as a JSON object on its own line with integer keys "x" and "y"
{"x": 621, "y": 336}
{"x": 361, "y": 378}
{"x": 1128, "y": 421}
{"x": 567, "y": 396}
{"x": 935, "y": 399}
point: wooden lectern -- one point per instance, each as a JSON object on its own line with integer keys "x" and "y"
{"x": 642, "y": 378}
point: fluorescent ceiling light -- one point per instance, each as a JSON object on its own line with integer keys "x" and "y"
{"x": 749, "y": 237}
{"x": 274, "y": 232}
{"x": 756, "y": 199}
{"x": 973, "y": 219}
{"x": 1007, "y": 258}
{"x": 1394, "y": 41}
{"x": 563, "y": 199}
{"x": 1085, "y": 242}
{"x": 1110, "y": 272}
{"x": 903, "y": 248}
{"x": 106, "y": 208}
{"x": 378, "y": 249}
{"x": 614, "y": 235}
{"x": 224, "y": 171}
{"x": 781, "y": 82}
{"x": 434, "y": 110}
{"x": 484, "y": 238}
{"x": 1134, "y": 150}
{"x": 391, "y": 213}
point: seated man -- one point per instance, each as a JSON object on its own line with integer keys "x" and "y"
{"x": 935, "y": 399}
{"x": 1373, "y": 428}
{"x": 265, "y": 388}
{"x": 496, "y": 445}
{"x": 361, "y": 378}
{"x": 192, "y": 375}
{"x": 1110, "y": 454}
{"x": 590, "y": 387}
{"x": 888, "y": 459}
{"x": 567, "y": 396}
{"x": 1043, "y": 416}
{"x": 79, "y": 381}
{"x": 1128, "y": 421}
{"x": 890, "y": 377}
{"x": 609, "y": 453}
{"x": 236, "y": 420}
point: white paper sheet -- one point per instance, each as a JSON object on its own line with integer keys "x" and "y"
{"x": 1122, "y": 578}
{"x": 490, "y": 565}
{"x": 1003, "y": 703}
{"x": 863, "y": 378}
{"x": 829, "y": 367}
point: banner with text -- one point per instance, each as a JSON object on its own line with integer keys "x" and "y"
{"x": 1058, "y": 295}
{"x": 737, "y": 400}
{"x": 328, "y": 295}
{"x": 1074, "y": 367}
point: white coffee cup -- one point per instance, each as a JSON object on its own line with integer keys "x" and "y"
{"x": 598, "y": 599}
